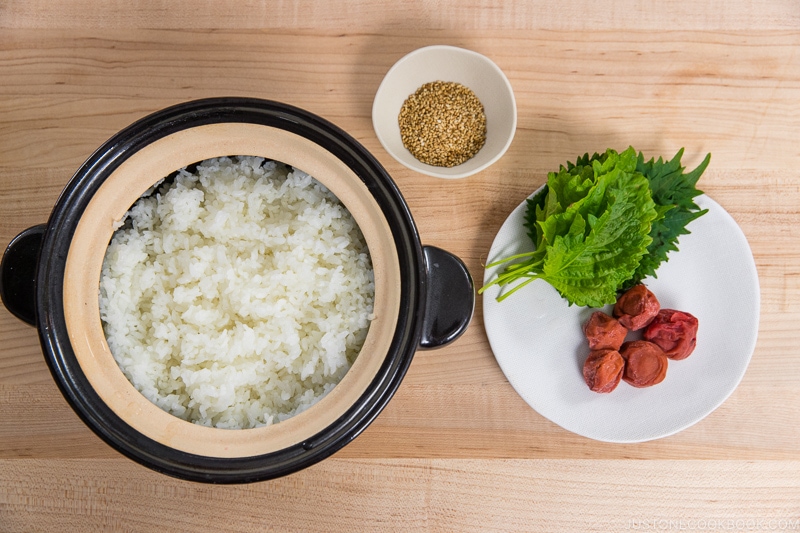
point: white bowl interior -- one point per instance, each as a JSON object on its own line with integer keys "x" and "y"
{"x": 452, "y": 64}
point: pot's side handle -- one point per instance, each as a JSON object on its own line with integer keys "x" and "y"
{"x": 18, "y": 273}
{"x": 450, "y": 298}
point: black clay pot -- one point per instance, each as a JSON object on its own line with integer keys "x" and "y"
{"x": 49, "y": 273}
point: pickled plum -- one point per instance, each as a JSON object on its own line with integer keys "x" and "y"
{"x": 603, "y": 369}
{"x": 604, "y": 332}
{"x": 673, "y": 331}
{"x": 645, "y": 363}
{"x": 636, "y": 308}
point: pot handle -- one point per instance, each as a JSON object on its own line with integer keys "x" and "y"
{"x": 18, "y": 273}
{"x": 450, "y": 298}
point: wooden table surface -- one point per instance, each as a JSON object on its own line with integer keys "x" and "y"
{"x": 456, "y": 449}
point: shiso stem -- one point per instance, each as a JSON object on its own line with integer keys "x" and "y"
{"x": 513, "y": 273}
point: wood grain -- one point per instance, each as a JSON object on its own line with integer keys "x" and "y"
{"x": 562, "y": 15}
{"x": 410, "y": 495}
{"x": 456, "y": 449}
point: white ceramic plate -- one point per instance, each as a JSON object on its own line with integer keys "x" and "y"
{"x": 539, "y": 344}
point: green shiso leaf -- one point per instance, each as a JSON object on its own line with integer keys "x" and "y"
{"x": 674, "y": 193}
{"x": 604, "y": 246}
{"x": 603, "y": 224}
{"x": 590, "y": 230}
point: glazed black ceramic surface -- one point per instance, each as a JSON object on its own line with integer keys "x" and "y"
{"x": 423, "y": 322}
{"x": 18, "y": 273}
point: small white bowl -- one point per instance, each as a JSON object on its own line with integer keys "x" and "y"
{"x": 449, "y": 64}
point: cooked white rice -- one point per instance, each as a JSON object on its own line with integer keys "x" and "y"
{"x": 237, "y": 295}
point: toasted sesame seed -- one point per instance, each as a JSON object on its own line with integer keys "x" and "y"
{"x": 443, "y": 124}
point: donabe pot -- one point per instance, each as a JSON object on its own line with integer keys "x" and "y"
{"x": 424, "y": 296}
